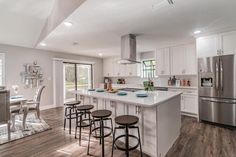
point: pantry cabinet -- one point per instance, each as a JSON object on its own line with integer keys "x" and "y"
{"x": 163, "y": 61}
{"x": 218, "y": 44}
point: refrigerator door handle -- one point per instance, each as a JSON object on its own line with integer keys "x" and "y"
{"x": 217, "y": 75}
{"x": 221, "y": 75}
{"x": 219, "y": 101}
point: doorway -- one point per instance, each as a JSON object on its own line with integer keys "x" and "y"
{"x": 78, "y": 76}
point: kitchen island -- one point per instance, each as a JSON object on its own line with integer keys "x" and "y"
{"x": 159, "y": 115}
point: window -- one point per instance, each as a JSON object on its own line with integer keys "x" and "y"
{"x": 149, "y": 68}
{"x": 2, "y": 69}
{"x": 77, "y": 76}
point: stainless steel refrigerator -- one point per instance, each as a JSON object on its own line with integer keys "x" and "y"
{"x": 217, "y": 89}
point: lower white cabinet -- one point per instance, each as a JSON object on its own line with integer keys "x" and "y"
{"x": 189, "y": 101}
{"x": 189, "y": 104}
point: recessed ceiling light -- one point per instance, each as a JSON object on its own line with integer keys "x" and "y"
{"x": 100, "y": 54}
{"x": 197, "y": 32}
{"x": 68, "y": 24}
{"x": 43, "y": 44}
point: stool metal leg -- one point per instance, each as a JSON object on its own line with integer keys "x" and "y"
{"x": 70, "y": 122}
{"x": 140, "y": 143}
{"x": 102, "y": 137}
{"x": 76, "y": 125}
{"x": 80, "y": 123}
{"x": 113, "y": 142}
{"x": 65, "y": 117}
{"x": 127, "y": 141}
{"x": 90, "y": 132}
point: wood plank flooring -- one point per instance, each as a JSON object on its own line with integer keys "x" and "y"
{"x": 196, "y": 140}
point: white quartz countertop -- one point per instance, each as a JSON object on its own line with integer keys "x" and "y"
{"x": 154, "y": 98}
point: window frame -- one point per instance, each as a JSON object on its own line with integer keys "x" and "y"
{"x": 152, "y": 68}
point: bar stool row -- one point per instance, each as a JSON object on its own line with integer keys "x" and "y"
{"x": 85, "y": 118}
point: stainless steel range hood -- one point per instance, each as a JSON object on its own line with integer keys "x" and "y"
{"x": 128, "y": 49}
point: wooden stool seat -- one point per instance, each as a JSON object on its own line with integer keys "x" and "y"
{"x": 126, "y": 120}
{"x": 84, "y": 107}
{"x": 101, "y": 113}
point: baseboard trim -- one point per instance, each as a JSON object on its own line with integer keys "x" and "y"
{"x": 45, "y": 107}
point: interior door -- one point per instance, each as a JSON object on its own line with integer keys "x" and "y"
{"x": 227, "y": 76}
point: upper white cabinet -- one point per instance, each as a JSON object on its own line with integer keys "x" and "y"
{"x": 111, "y": 68}
{"x": 163, "y": 62}
{"x": 183, "y": 60}
{"x": 219, "y": 44}
{"x": 207, "y": 46}
{"x": 228, "y": 43}
{"x": 108, "y": 67}
{"x": 177, "y": 60}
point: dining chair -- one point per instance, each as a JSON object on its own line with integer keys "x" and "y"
{"x": 33, "y": 105}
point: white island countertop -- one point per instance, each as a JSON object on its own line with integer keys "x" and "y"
{"x": 154, "y": 97}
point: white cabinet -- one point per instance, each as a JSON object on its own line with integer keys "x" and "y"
{"x": 218, "y": 44}
{"x": 207, "y": 46}
{"x": 191, "y": 60}
{"x": 112, "y": 68}
{"x": 163, "y": 62}
{"x": 133, "y": 70}
{"x": 228, "y": 43}
{"x": 177, "y": 60}
{"x": 108, "y": 67}
{"x": 183, "y": 60}
{"x": 189, "y": 101}
{"x": 189, "y": 104}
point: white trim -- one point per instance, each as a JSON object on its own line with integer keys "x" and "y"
{"x": 73, "y": 61}
{"x": 45, "y": 107}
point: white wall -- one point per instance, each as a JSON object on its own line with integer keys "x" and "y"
{"x": 17, "y": 56}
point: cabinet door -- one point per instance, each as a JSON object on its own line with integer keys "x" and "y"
{"x": 207, "y": 46}
{"x": 108, "y": 67}
{"x": 189, "y": 104}
{"x": 135, "y": 111}
{"x": 132, "y": 70}
{"x": 163, "y": 62}
{"x": 228, "y": 41}
{"x": 190, "y": 60}
{"x": 178, "y": 60}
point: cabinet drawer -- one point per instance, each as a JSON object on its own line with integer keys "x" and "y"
{"x": 190, "y": 91}
{"x": 174, "y": 90}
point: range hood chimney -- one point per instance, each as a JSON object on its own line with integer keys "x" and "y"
{"x": 128, "y": 49}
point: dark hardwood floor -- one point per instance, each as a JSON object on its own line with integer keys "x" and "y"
{"x": 196, "y": 140}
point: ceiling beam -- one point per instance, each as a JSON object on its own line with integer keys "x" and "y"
{"x": 61, "y": 10}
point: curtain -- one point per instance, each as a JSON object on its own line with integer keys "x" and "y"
{"x": 58, "y": 82}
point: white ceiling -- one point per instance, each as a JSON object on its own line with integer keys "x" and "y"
{"x": 98, "y": 24}
{"x": 22, "y": 21}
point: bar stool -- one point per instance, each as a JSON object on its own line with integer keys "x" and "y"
{"x": 100, "y": 116}
{"x": 126, "y": 122}
{"x": 81, "y": 111}
{"x": 71, "y": 106}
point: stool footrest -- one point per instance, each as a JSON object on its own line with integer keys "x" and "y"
{"x": 99, "y": 136}
{"x": 130, "y": 148}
